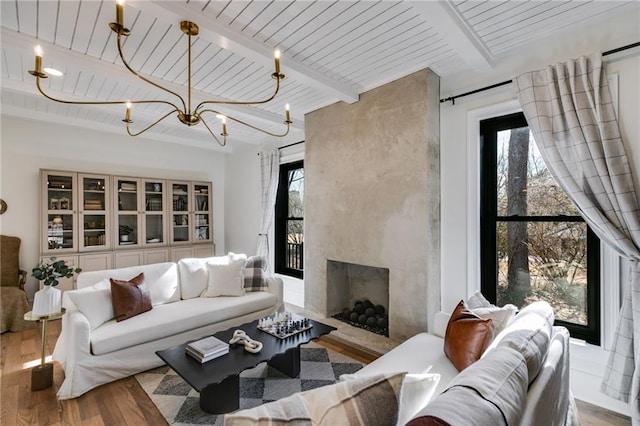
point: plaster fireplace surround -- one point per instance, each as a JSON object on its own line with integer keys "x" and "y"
{"x": 372, "y": 197}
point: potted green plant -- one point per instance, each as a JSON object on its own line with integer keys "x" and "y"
{"x": 125, "y": 231}
{"x": 48, "y": 301}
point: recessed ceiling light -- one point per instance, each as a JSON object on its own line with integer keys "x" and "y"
{"x": 52, "y": 71}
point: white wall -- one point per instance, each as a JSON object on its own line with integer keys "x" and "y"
{"x": 459, "y": 161}
{"x": 242, "y": 200}
{"x": 27, "y": 146}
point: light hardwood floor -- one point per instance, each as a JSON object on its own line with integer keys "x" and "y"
{"x": 122, "y": 402}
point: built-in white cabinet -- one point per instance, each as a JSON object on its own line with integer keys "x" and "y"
{"x": 191, "y": 217}
{"x": 100, "y": 221}
{"x": 59, "y": 212}
{"x": 140, "y": 213}
{"x": 96, "y": 261}
{"x": 93, "y": 214}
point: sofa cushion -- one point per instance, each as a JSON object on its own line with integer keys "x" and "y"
{"x": 529, "y": 333}
{"x": 467, "y": 337}
{"x": 355, "y": 401}
{"x": 130, "y": 298}
{"x": 225, "y": 280}
{"x": 421, "y": 353}
{"x": 162, "y": 279}
{"x": 492, "y": 391}
{"x": 254, "y": 274}
{"x": 173, "y": 318}
{"x": 193, "y": 274}
{"x": 94, "y": 302}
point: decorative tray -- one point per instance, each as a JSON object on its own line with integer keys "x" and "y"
{"x": 284, "y": 324}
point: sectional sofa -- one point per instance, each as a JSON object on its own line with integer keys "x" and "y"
{"x": 95, "y": 349}
{"x": 522, "y": 378}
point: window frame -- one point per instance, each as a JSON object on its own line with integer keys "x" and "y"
{"x": 281, "y": 219}
{"x": 489, "y": 219}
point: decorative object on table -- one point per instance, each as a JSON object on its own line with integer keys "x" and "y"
{"x": 250, "y": 345}
{"x": 125, "y": 231}
{"x": 48, "y": 301}
{"x": 284, "y": 324}
{"x": 42, "y": 375}
{"x": 206, "y": 349}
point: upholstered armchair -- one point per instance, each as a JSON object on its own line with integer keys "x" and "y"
{"x": 12, "y": 281}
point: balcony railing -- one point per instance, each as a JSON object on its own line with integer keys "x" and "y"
{"x": 295, "y": 254}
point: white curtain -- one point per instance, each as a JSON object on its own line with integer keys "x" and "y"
{"x": 269, "y": 172}
{"x": 568, "y": 106}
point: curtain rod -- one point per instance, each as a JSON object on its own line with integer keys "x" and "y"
{"x": 287, "y": 146}
{"x": 493, "y": 86}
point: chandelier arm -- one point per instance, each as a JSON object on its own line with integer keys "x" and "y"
{"x": 42, "y": 92}
{"x": 264, "y": 101}
{"x": 151, "y": 125}
{"x": 288, "y": 123}
{"x": 224, "y": 137}
{"x": 143, "y": 78}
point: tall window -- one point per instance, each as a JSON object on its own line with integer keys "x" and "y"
{"x": 289, "y": 226}
{"x": 534, "y": 243}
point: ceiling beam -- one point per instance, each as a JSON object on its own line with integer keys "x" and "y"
{"x": 237, "y": 42}
{"x": 453, "y": 28}
{"x": 110, "y": 70}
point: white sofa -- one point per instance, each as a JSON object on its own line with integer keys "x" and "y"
{"x": 114, "y": 350}
{"x": 521, "y": 379}
{"x": 548, "y": 399}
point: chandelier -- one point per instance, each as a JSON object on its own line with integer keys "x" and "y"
{"x": 185, "y": 113}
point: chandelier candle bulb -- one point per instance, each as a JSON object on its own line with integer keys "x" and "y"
{"x": 276, "y": 56}
{"x": 127, "y": 114}
{"x": 38, "y": 51}
{"x": 120, "y": 12}
{"x": 286, "y": 113}
{"x": 224, "y": 126}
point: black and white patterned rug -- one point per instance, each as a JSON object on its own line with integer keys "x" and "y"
{"x": 178, "y": 402}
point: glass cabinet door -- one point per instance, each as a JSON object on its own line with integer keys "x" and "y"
{"x": 202, "y": 227}
{"x": 93, "y": 217}
{"x": 180, "y": 208}
{"x": 154, "y": 222}
{"x": 127, "y": 191}
{"x": 59, "y": 201}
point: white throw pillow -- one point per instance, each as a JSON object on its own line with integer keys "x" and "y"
{"x": 193, "y": 277}
{"x": 193, "y": 274}
{"x": 477, "y": 300}
{"x": 94, "y": 302}
{"x": 225, "y": 280}
{"x": 237, "y": 256}
{"x": 485, "y": 309}
{"x": 500, "y": 316}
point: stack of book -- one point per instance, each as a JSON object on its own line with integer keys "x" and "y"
{"x": 206, "y": 349}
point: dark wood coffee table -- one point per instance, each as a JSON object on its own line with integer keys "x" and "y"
{"x": 218, "y": 380}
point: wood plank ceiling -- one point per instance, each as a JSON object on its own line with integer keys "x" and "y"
{"x": 331, "y": 51}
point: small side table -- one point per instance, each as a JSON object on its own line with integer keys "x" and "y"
{"x": 42, "y": 375}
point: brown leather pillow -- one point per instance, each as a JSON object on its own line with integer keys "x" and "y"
{"x": 467, "y": 337}
{"x": 130, "y": 298}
